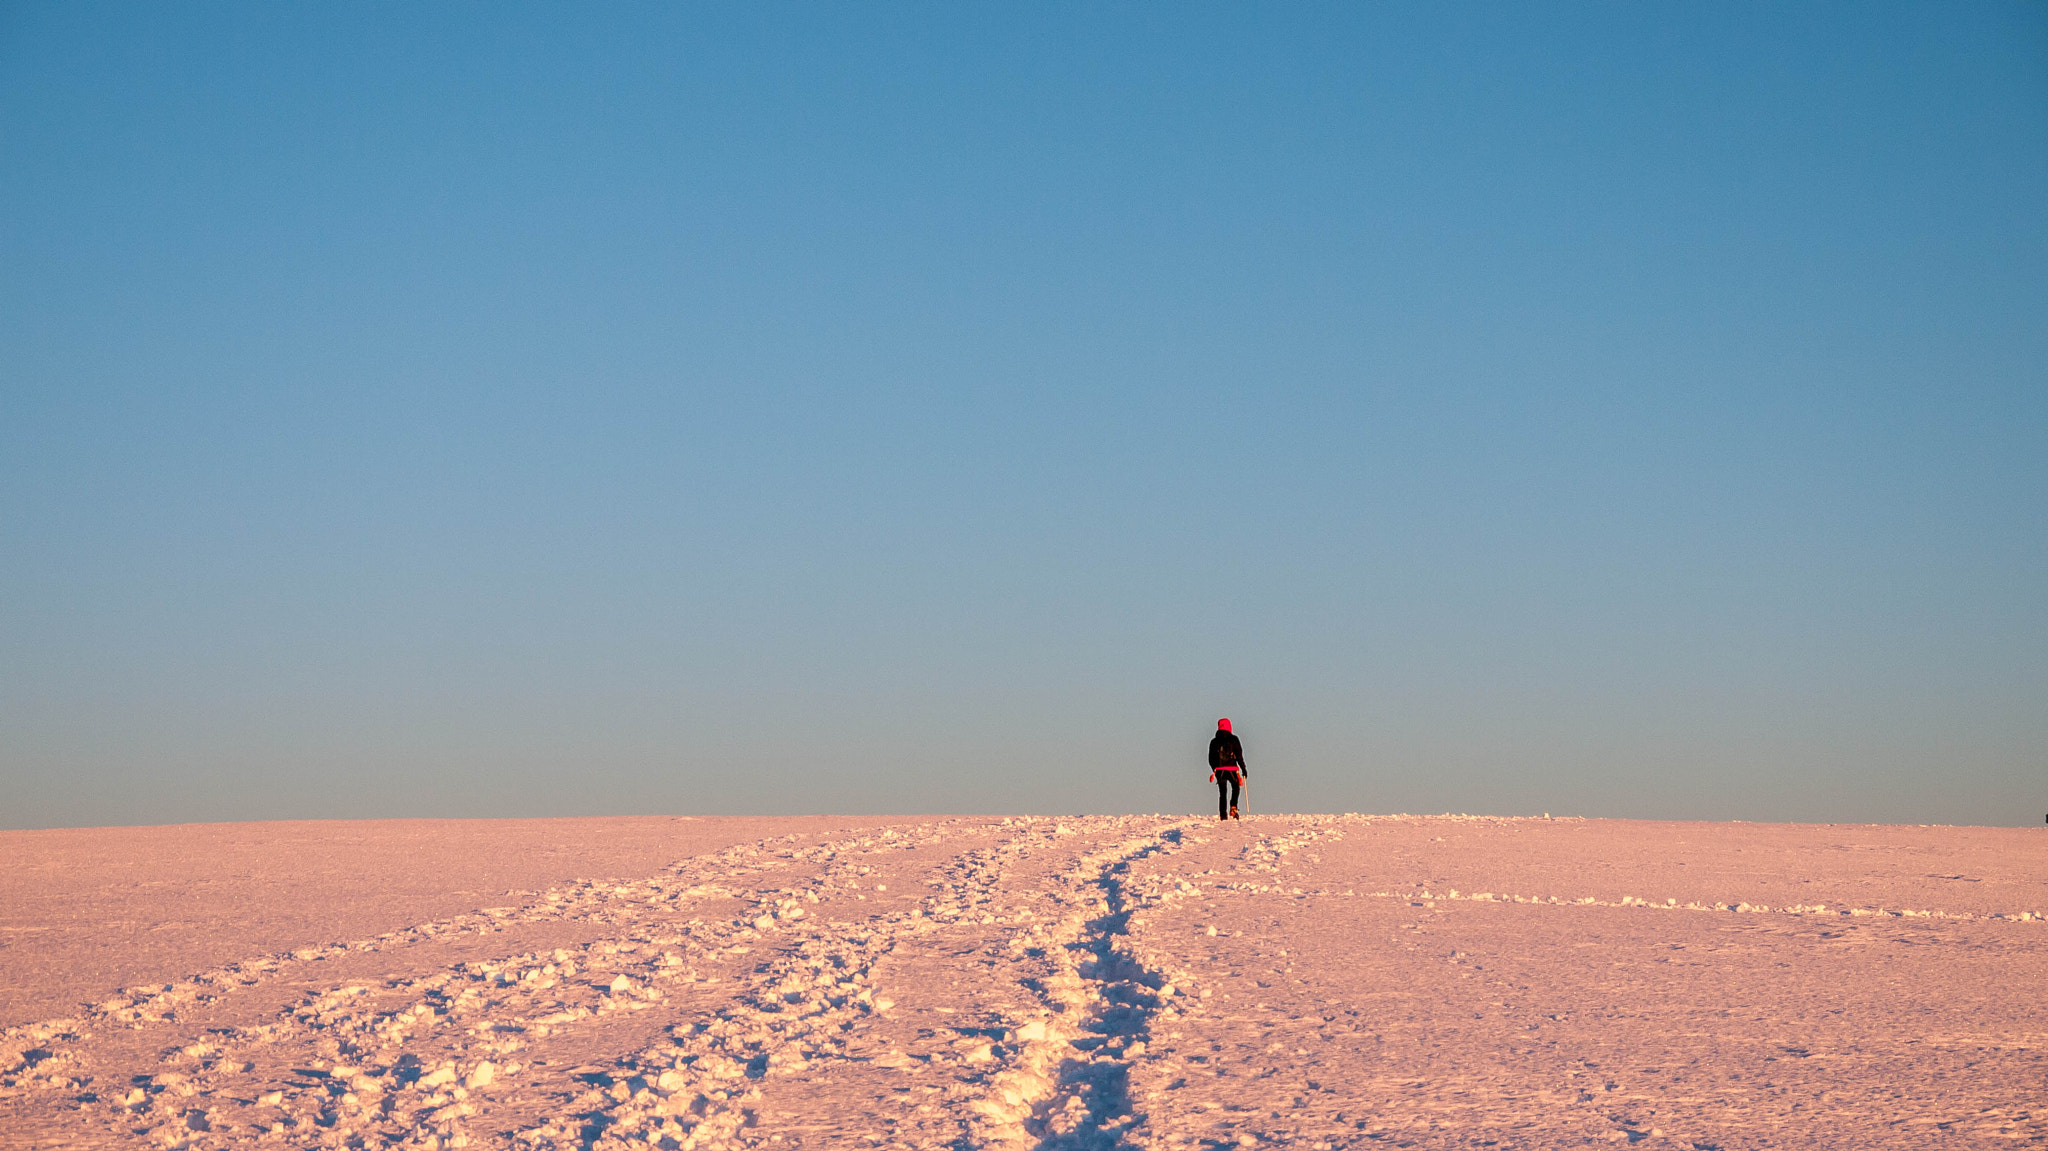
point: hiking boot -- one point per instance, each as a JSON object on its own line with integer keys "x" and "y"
{"x": 1233, "y": 812}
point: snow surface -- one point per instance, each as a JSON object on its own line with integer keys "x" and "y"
{"x": 1145, "y": 981}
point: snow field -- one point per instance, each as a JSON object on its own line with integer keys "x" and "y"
{"x": 1154, "y": 982}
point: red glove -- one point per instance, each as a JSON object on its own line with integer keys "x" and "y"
{"x": 1212, "y": 777}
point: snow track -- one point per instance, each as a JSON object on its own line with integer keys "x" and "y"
{"x": 410, "y": 1061}
{"x": 1069, "y": 1088}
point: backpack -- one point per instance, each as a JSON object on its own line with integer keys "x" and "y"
{"x": 1228, "y": 752}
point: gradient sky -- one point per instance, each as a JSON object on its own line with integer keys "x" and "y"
{"x": 487, "y": 410}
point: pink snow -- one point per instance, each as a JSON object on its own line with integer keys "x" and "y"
{"x": 1143, "y": 981}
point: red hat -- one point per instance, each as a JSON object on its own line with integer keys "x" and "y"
{"x": 1222, "y": 725}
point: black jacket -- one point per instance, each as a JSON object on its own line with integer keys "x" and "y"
{"x": 1226, "y": 752}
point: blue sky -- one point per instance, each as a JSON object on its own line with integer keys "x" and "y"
{"x": 499, "y": 410}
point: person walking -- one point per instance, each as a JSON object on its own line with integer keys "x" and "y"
{"x": 1227, "y": 770}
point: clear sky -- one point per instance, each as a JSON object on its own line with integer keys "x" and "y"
{"x": 468, "y": 409}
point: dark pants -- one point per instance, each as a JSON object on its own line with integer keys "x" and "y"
{"x": 1227, "y": 787}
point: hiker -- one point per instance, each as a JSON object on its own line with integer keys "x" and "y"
{"x": 1227, "y": 770}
